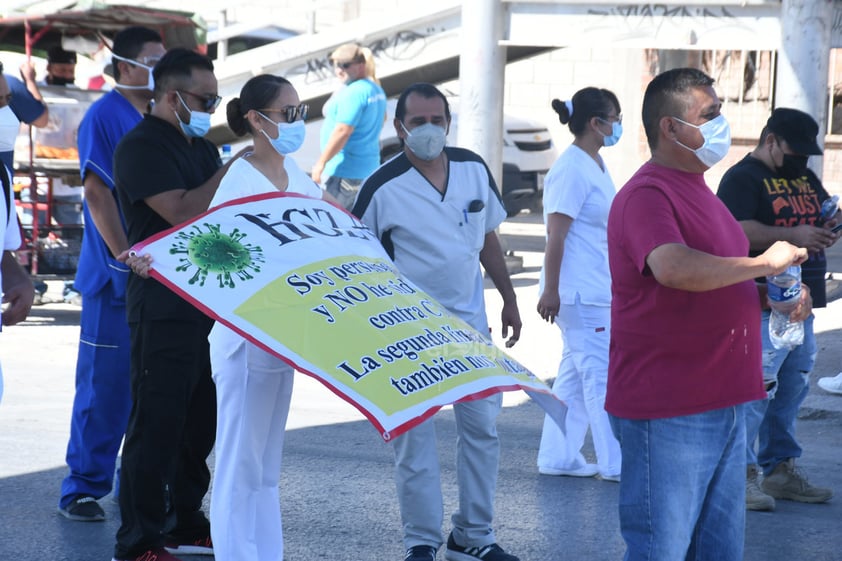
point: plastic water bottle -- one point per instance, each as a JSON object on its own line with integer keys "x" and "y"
{"x": 830, "y": 207}
{"x": 225, "y": 153}
{"x": 784, "y": 295}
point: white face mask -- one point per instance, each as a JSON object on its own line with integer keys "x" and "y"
{"x": 150, "y": 82}
{"x": 9, "y": 127}
{"x": 717, "y": 136}
{"x": 426, "y": 141}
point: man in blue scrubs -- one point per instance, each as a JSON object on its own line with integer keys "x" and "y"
{"x": 102, "y": 403}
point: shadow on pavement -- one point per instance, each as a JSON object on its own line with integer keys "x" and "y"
{"x": 52, "y": 314}
{"x": 339, "y": 502}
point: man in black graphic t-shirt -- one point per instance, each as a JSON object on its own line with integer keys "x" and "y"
{"x": 775, "y": 196}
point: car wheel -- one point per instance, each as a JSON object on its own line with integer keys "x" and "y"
{"x": 512, "y": 212}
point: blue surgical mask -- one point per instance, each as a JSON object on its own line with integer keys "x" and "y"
{"x": 290, "y": 136}
{"x": 199, "y": 123}
{"x": 717, "y": 140}
{"x": 616, "y": 133}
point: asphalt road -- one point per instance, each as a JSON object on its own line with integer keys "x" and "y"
{"x": 337, "y": 491}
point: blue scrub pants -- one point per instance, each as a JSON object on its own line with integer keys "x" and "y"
{"x": 103, "y": 401}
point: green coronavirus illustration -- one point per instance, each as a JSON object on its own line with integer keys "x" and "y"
{"x": 211, "y": 251}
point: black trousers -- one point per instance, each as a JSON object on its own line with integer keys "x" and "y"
{"x": 164, "y": 473}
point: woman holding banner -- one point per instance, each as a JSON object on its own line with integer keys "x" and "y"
{"x": 576, "y": 285}
{"x": 253, "y": 387}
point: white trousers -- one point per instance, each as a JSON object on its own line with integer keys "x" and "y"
{"x": 580, "y": 383}
{"x": 417, "y": 476}
{"x": 253, "y": 391}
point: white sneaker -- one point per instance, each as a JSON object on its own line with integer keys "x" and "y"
{"x": 586, "y": 470}
{"x": 831, "y": 384}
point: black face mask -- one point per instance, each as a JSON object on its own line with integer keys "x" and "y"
{"x": 57, "y": 81}
{"x": 792, "y": 166}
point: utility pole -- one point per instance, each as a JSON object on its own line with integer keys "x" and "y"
{"x": 804, "y": 62}
{"x": 481, "y": 76}
{"x": 222, "y": 46}
{"x": 482, "y": 72}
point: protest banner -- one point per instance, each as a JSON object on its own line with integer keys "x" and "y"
{"x": 311, "y": 284}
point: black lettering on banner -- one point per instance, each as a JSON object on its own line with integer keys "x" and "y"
{"x": 411, "y": 346}
{"x": 317, "y": 222}
{"x": 480, "y": 362}
{"x": 428, "y": 375}
{"x": 303, "y": 285}
{"x": 347, "y": 297}
{"x": 367, "y": 365}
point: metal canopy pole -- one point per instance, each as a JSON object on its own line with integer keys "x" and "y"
{"x": 33, "y": 179}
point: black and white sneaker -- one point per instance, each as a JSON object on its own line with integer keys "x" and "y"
{"x": 490, "y": 552}
{"x": 420, "y": 553}
{"x": 84, "y": 508}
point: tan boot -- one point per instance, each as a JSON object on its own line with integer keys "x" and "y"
{"x": 756, "y": 499}
{"x": 787, "y": 482}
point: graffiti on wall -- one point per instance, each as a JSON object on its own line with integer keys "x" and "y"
{"x": 400, "y": 46}
{"x": 642, "y": 20}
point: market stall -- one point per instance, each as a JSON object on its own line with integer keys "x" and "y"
{"x": 46, "y": 162}
{"x": 48, "y": 185}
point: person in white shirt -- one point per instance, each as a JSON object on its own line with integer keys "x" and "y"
{"x": 17, "y": 289}
{"x": 253, "y": 387}
{"x": 435, "y": 209}
{"x": 576, "y": 285}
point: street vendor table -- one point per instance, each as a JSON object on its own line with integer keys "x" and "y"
{"x": 50, "y": 250}
{"x": 53, "y": 249}
{"x": 44, "y": 159}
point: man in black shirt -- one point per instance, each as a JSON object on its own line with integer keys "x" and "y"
{"x": 775, "y": 196}
{"x": 166, "y": 173}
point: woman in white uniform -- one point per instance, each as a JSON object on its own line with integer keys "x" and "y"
{"x": 576, "y": 285}
{"x": 253, "y": 387}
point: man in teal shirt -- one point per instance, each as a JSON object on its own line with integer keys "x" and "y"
{"x": 354, "y": 116}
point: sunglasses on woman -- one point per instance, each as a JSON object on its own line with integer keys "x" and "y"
{"x": 291, "y": 112}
